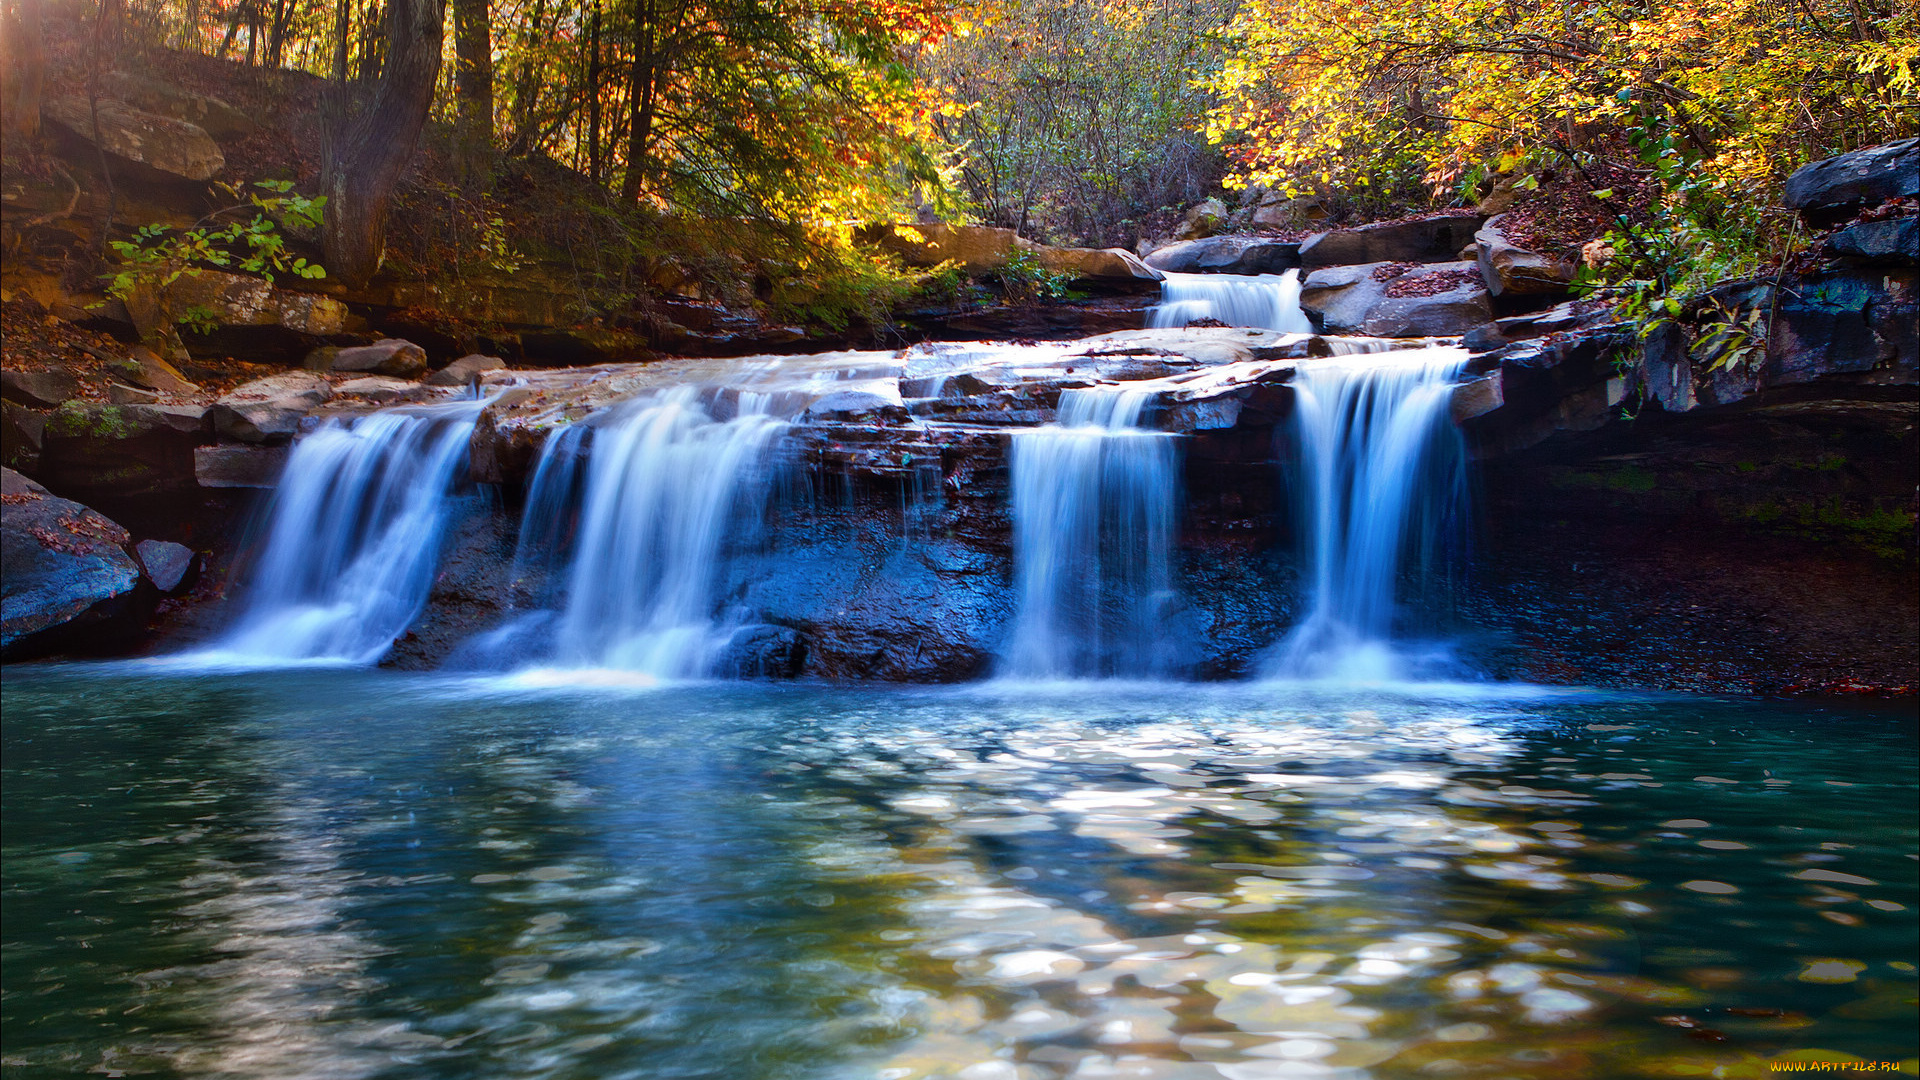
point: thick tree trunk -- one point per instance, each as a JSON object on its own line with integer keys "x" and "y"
{"x": 367, "y": 160}
{"x": 473, "y": 93}
{"x": 645, "y": 74}
{"x": 26, "y": 68}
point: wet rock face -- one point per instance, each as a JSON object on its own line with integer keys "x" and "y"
{"x": 66, "y": 573}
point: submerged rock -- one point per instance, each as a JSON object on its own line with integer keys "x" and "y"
{"x": 65, "y": 571}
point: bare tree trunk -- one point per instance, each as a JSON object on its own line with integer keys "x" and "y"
{"x": 593, "y": 94}
{"x": 27, "y": 68}
{"x": 645, "y": 73}
{"x": 367, "y": 160}
{"x": 473, "y": 93}
{"x": 278, "y": 35}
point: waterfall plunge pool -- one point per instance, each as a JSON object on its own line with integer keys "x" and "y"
{"x": 368, "y": 874}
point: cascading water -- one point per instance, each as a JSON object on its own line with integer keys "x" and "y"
{"x": 664, "y": 493}
{"x": 352, "y": 537}
{"x": 1094, "y": 508}
{"x": 1382, "y": 471}
{"x": 1268, "y": 301}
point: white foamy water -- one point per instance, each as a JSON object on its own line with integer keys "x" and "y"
{"x": 352, "y": 539}
{"x": 1381, "y": 476}
{"x": 1095, "y": 502}
{"x": 1268, "y": 301}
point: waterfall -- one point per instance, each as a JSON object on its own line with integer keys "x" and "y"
{"x": 1381, "y": 471}
{"x": 1269, "y": 301}
{"x": 352, "y": 537}
{"x": 1094, "y": 508}
{"x": 665, "y": 493}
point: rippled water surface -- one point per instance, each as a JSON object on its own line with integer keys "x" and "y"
{"x": 365, "y": 874}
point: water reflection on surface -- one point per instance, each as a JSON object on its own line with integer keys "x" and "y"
{"x": 358, "y": 874}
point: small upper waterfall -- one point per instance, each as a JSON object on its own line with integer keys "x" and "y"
{"x": 1269, "y": 301}
{"x": 664, "y": 493}
{"x": 1381, "y": 472}
{"x": 1095, "y": 502}
{"x": 353, "y": 537}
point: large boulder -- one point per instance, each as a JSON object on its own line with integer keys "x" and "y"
{"x": 1852, "y": 181}
{"x": 1436, "y": 301}
{"x": 1339, "y": 297}
{"x": 236, "y": 300}
{"x": 119, "y": 451}
{"x": 1226, "y": 255}
{"x": 978, "y": 248}
{"x": 38, "y": 389}
{"x": 66, "y": 571}
{"x": 269, "y": 409}
{"x": 231, "y": 466}
{"x": 159, "y": 142}
{"x": 1513, "y": 270}
{"x": 221, "y": 121}
{"x": 1096, "y": 264}
{"x": 395, "y": 357}
{"x": 1432, "y": 239}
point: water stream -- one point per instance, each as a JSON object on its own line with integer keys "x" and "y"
{"x": 352, "y": 538}
{"x": 635, "y": 516}
{"x": 1380, "y": 487}
{"x": 1095, "y": 505}
{"x": 1265, "y": 301}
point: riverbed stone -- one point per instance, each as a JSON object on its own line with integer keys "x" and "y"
{"x": 464, "y": 370}
{"x": 1226, "y": 255}
{"x": 269, "y": 409}
{"x": 1441, "y": 315}
{"x": 395, "y": 357}
{"x": 382, "y": 390}
{"x": 1511, "y": 270}
{"x": 168, "y": 565}
{"x": 65, "y": 570}
{"x": 1339, "y": 297}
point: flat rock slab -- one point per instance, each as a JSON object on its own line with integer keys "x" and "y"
{"x": 239, "y": 466}
{"x": 269, "y": 409}
{"x": 38, "y": 389}
{"x": 65, "y": 566}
